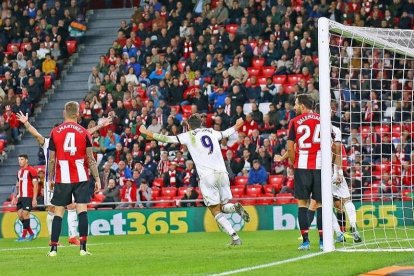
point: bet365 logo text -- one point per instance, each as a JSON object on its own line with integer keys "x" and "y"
{"x": 34, "y": 224}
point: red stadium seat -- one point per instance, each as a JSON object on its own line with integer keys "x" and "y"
{"x": 253, "y": 190}
{"x": 268, "y": 200}
{"x": 262, "y": 80}
{"x": 98, "y": 197}
{"x": 246, "y": 202}
{"x": 258, "y": 62}
{"x": 156, "y": 192}
{"x": 284, "y": 198}
{"x": 237, "y": 191}
{"x": 10, "y": 47}
{"x": 240, "y": 180}
{"x": 165, "y": 202}
{"x": 269, "y": 189}
{"x": 232, "y": 28}
{"x": 279, "y": 79}
{"x": 382, "y": 129}
{"x": 23, "y": 46}
{"x": 253, "y": 44}
{"x": 253, "y": 71}
{"x": 276, "y": 181}
{"x": 169, "y": 191}
{"x": 289, "y": 88}
{"x": 48, "y": 82}
{"x": 294, "y": 79}
{"x": 181, "y": 191}
{"x": 159, "y": 182}
{"x": 8, "y": 207}
{"x": 71, "y": 45}
{"x": 268, "y": 71}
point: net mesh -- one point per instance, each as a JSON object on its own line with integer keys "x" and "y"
{"x": 371, "y": 80}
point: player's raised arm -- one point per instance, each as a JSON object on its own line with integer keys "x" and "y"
{"x": 228, "y": 132}
{"x": 104, "y": 122}
{"x": 24, "y": 119}
{"x": 157, "y": 136}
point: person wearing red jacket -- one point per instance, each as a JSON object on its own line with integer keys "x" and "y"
{"x": 128, "y": 194}
{"x": 11, "y": 119}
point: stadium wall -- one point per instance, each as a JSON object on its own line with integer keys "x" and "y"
{"x": 185, "y": 220}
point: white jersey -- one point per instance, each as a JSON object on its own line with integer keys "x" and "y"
{"x": 204, "y": 147}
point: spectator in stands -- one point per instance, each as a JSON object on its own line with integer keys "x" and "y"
{"x": 128, "y": 194}
{"x": 190, "y": 194}
{"x": 144, "y": 195}
{"x": 49, "y": 66}
{"x": 106, "y": 175}
{"x": 111, "y": 193}
{"x": 258, "y": 174}
{"x": 13, "y": 123}
{"x": 144, "y": 173}
{"x": 123, "y": 173}
{"x": 172, "y": 178}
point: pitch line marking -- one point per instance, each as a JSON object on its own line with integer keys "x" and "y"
{"x": 47, "y": 247}
{"x": 250, "y": 268}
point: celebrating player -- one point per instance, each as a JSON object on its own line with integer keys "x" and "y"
{"x": 26, "y": 194}
{"x": 48, "y": 193}
{"x": 203, "y": 145}
{"x": 70, "y": 156}
{"x": 305, "y": 154}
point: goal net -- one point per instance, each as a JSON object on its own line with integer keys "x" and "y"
{"x": 366, "y": 89}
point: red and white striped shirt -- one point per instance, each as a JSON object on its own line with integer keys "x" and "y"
{"x": 25, "y": 176}
{"x": 304, "y": 130}
{"x": 69, "y": 142}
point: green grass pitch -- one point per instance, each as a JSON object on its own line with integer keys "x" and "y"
{"x": 189, "y": 254}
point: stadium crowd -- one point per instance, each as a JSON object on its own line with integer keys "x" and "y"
{"x": 231, "y": 59}
{"x": 34, "y": 39}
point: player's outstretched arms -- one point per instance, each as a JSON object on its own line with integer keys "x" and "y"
{"x": 104, "y": 122}
{"x": 24, "y": 119}
{"x": 157, "y": 136}
{"x": 94, "y": 168}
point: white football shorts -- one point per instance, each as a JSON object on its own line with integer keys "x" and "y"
{"x": 342, "y": 190}
{"x": 215, "y": 188}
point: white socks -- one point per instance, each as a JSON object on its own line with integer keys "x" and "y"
{"x": 49, "y": 220}
{"x": 351, "y": 213}
{"x": 228, "y": 208}
{"x": 335, "y": 225}
{"x": 226, "y": 225}
{"x": 72, "y": 223}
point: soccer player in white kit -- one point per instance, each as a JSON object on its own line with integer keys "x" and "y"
{"x": 48, "y": 193}
{"x": 203, "y": 145}
{"x": 340, "y": 189}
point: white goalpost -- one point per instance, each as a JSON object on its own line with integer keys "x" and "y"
{"x": 366, "y": 89}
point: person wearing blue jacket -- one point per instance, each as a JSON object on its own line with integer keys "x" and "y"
{"x": 258, "y": 174}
